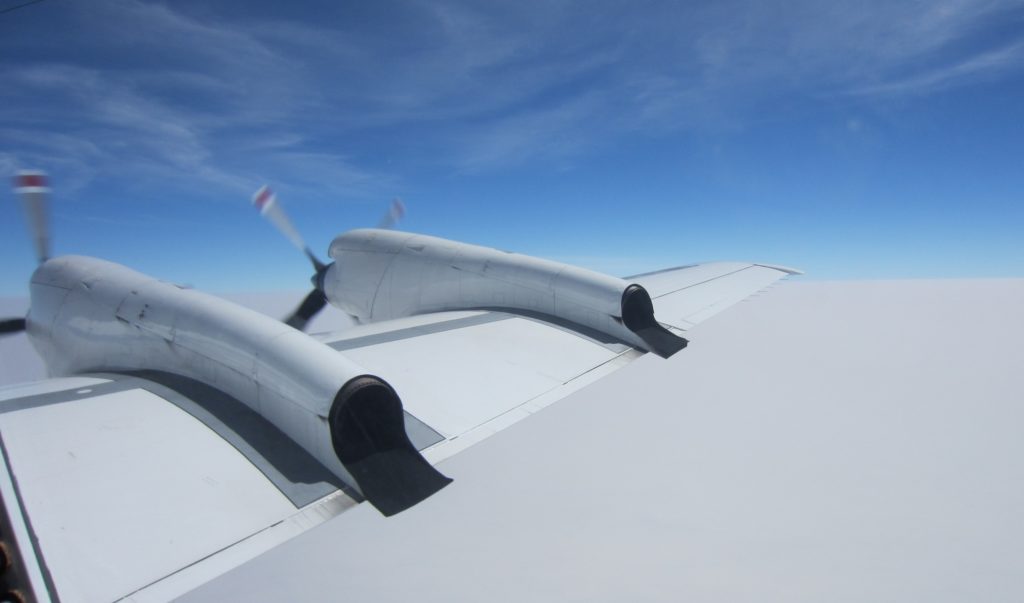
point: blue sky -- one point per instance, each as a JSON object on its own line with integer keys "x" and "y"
{"x": 852, "y": 140}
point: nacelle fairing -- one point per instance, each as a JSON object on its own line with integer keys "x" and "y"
{"x": 383, "y": 274}
{"x": 89, "y": 315}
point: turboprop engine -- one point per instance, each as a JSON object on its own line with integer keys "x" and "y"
{"x": 89, "y": 315}
{"x": 379, "y": 274}
{"x": 383, "y": 274}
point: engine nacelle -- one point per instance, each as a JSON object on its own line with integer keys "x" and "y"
{"x": 383, "y": 274}
{"x": 89, "y": 315}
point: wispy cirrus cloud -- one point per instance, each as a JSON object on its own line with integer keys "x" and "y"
{"x": 225, "y": 96}
{"x": 154, "y": 96}
{"x": 991, "y": 63}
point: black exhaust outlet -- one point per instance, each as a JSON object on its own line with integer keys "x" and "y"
{"x": 368, "y": 433}
{"x": 638, "y": 316}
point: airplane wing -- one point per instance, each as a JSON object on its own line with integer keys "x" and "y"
{"x": 475, "y": 373}
{"x": 689, "y": 295}
{"x": 143, "y": 486}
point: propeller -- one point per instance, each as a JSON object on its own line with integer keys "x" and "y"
{"x": 34, "y": 189}
{"x": 266, "y": 201}
{"x": 395, "y": 213}
{"x": 12, "y": 325}
{"x": 310, "y": 307}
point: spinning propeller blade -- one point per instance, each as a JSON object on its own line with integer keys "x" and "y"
{"x": 34, "y": 189}
{"x": 12, "y": 325}
{"x": 395, "y": 213}
{"x": 266, "y": 201}
{"x": 314, "y": 302}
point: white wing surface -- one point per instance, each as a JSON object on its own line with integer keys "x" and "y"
{"x": 123, "y": 486}
{"x": 145, "y": 485}
{"x": 688, "y": 295}
{"x": 468, "y": 375}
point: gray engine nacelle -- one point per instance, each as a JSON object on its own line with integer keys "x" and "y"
{"x": 89, "y": 315}
{"x": 384, "y": 274}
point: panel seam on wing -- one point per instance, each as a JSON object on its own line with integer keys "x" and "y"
{"x": 546, "y": 392}
{"x": 714, "y": 278}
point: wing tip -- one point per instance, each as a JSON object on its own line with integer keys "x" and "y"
{"x": 786, "y": 269}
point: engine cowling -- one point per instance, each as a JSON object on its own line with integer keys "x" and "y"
{"x": 384, "y": 274}
{"x": 89, "y": 315}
